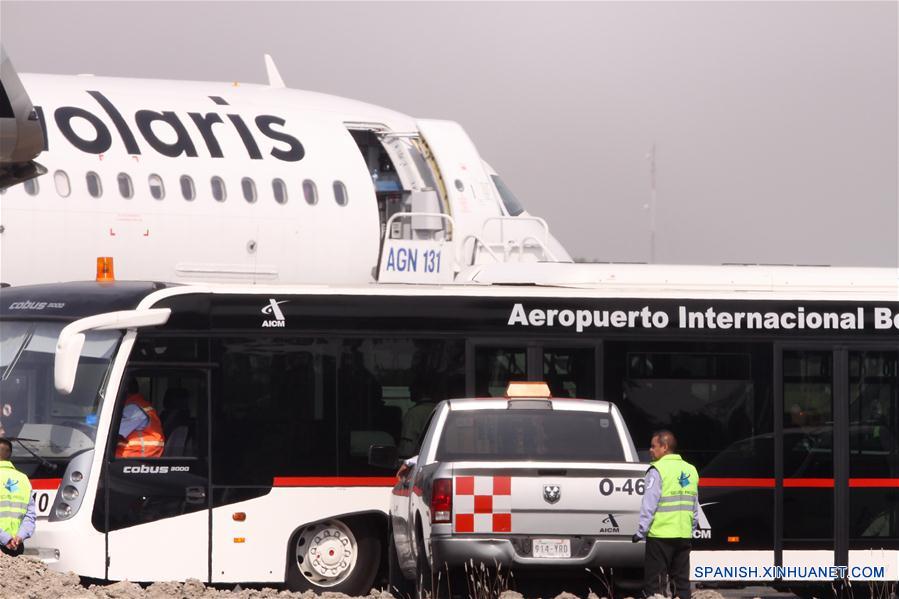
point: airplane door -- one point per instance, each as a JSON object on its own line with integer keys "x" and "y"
{"x": 157, "y": 508}
{"x": 463, "y": 173}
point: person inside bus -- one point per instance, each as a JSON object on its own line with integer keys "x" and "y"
{"x": 17, "y": 522}
{"x": 416, "y": 418}
{"x": 140, "y": 430}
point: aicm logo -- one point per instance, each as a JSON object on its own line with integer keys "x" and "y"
{"x": 274, "y": 309}
{"x": 612, "y": 524}
{"x": 703, "y": 528}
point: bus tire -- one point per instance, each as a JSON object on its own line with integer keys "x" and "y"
{"x": 341, "y": 556}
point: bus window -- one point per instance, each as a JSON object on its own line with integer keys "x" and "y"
{"x": 717, "y": 398}
{"x": 807, "y": 445}
{"x": 161, "y": 423}
{"x": 385, "y": 399}
{"x": 495, "y": 367}
{"x": 276, "y": 396}
{"x": 873, "y": 446}
{"x": 570, "y": 372}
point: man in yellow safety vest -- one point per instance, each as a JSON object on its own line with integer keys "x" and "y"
{"x": 668, "y": 517}
{"x": 16, "y": 504}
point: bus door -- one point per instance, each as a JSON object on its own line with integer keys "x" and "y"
{"x": 156, "y": 507}
{"x": 806, "y": 485}
{"x": 839, "y": 462}
{"x": 569, "y": 369}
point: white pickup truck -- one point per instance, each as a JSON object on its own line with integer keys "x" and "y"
{"x": 524, "y": 482}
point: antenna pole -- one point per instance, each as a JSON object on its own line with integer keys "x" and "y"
{"x": 652, "y": 204}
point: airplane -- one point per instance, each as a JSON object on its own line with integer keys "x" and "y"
{"x": 230, "y": 182}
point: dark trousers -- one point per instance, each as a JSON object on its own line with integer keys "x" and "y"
{"x": 667, "y": 560}
{"x": 8, "y": 551}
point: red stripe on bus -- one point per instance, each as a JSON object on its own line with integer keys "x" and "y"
{"x": 736, "y": 482}
{"x": 765, "y": 482}
{"x": 808, "y": 482}
{"x": 820, "y": 483}
{"x": 873, "y": 482}
{"x": 45, "y": 484}
{"x": 334, "y": 481}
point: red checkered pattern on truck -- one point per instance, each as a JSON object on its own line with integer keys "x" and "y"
{"x": 482, "y": 504}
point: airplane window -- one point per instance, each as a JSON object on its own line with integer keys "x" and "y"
{"x": 93, "y": 184}
{"x": 249, "y": 189}
{"x": 280, "y": 191}
{"x": 157, "y": 189}
{"x": 187, "y": 188}
{"x": 310, "y": 192}
{"x": 340, "y": 193}
{"x": 61, "y": 179}
{"x": 513, "y": 204}
{"x": 125, "y": 187}
{"x": 218, "y": 189}
{"x": 31, "y": 187}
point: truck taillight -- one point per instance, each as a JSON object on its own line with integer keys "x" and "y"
{"x": 442, "y": 501}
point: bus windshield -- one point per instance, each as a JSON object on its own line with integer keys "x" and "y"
{"x": 43, "y": 421}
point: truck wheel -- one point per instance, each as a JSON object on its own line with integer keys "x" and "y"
{"x": 334, "y": 556}
{"x": 399, "y": 585}
{"x": 424, "y": 580}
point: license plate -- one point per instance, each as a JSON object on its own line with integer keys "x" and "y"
{"x": 43, "y": 501}
{"x": 551, "y": 548}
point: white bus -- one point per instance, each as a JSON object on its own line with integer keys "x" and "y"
{"x": 780, "y": 383}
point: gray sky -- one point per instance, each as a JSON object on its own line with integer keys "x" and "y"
{"x": 775, "y": 123}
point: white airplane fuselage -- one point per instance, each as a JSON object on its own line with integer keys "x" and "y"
{"x": 110, "y": 138}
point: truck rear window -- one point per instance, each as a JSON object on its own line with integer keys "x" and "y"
{"x": 522, "y": 435}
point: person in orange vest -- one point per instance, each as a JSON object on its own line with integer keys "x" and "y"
{"x": 140, "y": 431}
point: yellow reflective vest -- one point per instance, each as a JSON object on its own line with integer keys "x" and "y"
{"x": 680, "y": 484}
{"x": 15, "y": 493}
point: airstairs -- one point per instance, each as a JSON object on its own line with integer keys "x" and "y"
{"x": 428, "y": 247}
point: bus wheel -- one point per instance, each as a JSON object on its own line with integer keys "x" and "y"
{"x": 334, "y": 555}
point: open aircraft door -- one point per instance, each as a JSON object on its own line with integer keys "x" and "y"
{"x": 464, "y": 177}
{"x": 21, "y": 132}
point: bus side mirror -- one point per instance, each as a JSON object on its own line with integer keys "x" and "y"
{"x": 71, "y": 339}
{"x": 68, "y": 352}
{"x": 383, "y": 456}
